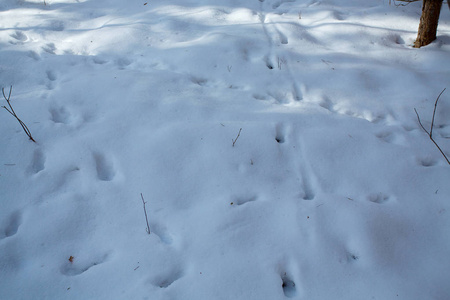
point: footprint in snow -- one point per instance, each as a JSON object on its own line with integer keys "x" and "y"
{"x": 386, "y": 136}
{"x": 76, "y": 265}
{"x": 308, "y": 193}
{"x": 259, "y": 97}
{"x": 280, "y": 133}
{"x": 99, "y": 61}
{"x": 326, "y": 103}
{"x": 123, "y": 62}
{"x": 51, "y": 76}
{"x": 427, "y": 161}
{"x": 57, "y": 25}
{"x": 288, "y": 285}
{"x": 283, "y": 38}
{"x": 391, "y": 137}
{"x": 241, "y": 200}
{"x": 337, "y": 15}
{"x": 378, "y": 198}
{"x": 104, "y": 167}
{"x": 49, "y": 48}
{"x": 268, "y": 63}
{"x": 198, "y": 80}
{"x": 37, "y": 162}
{"x": 161, "y": 232}
{"x": 279, "y": 3}
{"x": 11, "y": 226}
{"x": 168, "y": 278}
{"x": 59, "y": 115}
{"x": 19, "y": 37}
{"x": 34, "y": 55}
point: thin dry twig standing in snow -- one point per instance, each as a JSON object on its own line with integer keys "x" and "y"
{"x": 430, "y": 133}
{"x": 235, "y": 140}
{"x": 13, "y": 113}
{"x": 145, "y": 211}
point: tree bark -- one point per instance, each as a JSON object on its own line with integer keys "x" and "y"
{"x": 428, "y": 22}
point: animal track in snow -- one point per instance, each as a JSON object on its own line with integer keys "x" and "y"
{"x": 307, "y": 188}
{"x": 283, "y": 97}
{"x": 38, "y": 162}
{"x": 243, "y": 200}
{"x": 50, "y": 48}
{"x": 34, "y": 55}
{"x": 161, "y": 232}
{"x": 123, "y": 62}
{"x": 59, "y": 115}
{"x": 297, "y": 94}
{"x": 308, "y": 193}
{"x": 385, "y": 136}
{"x": 105, "y": 167}
{"x": 268, "y": 62}
{"x": 280, "y": 136}
{"x": 78, "y": 265}
{"x": 427, "y": 161}
{"x": 314, "y": 3}
{"x": 337, "y": 15}
{"x": 391, "y": 137}
{"x": 51, "y": 75}
{"x": 19, "y": 36}
{"x": 283, "y": 38}
{"x": 352, "y": 257}
{"x": 57, "y": 25}
{"x": 279, "y": 3}
{"x": 288, "y": 285}
{"x": 165, "y": 280}
{"x": 11, "y": 226}
{"x": 378, "y": 198}
{"x": 259, "y": 97}
{"x": 99, "y": 61}
{"x": 325, "y": 102}
{"x": 198, "y": 80}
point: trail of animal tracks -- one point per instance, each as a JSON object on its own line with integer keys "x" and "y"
{"x": 274, "y": 142}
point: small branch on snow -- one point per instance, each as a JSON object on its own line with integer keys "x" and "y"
{"x": 145, "y": 211}
{"x": 13, "y": 113}
{"x": 407, "y": 2}
{"x": 234, "y": 141}
{"x": 434, "y": 112}
{"x": 430, "y": 133}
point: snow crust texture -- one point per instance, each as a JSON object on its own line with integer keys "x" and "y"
{"x": 274, "y": 142}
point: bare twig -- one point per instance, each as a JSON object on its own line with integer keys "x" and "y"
{"x": 234, "y": 141}
{"x": 407, "y": 2}
{"x": 430, "y": 133}
{"x": 145, "y": 211}
{"x": 434, "y": 112}
{"x": 418, "y": 118}
{"x": 13, "y": 113}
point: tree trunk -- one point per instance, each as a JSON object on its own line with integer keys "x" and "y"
{"x": 428, "y": 22}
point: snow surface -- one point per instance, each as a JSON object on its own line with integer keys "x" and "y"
{"x": 330, "y": 191}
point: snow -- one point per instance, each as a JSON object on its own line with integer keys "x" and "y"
{"x": 274, "y": 141}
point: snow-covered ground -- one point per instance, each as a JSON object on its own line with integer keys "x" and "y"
{"x": 274, "y": 141}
